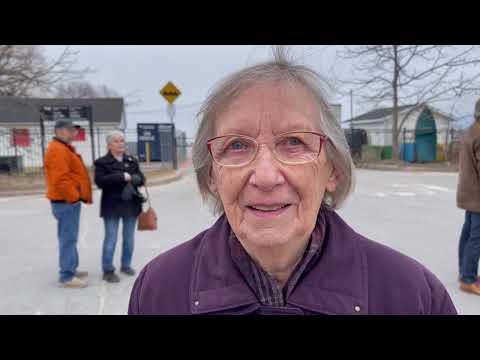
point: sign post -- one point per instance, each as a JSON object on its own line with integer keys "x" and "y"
{"x": 147, "y": 152}
{"x": 171, "y": 111}
{"x": 170, "y": 93}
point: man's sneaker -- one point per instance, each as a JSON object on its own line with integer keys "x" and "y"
{"x": 128, "y": 271}
{"x": 74, "y": 283}
{"x": 460, "y": 278}
{"x": 111, "y": 277}
{"x": 81, "y": 274}
{"x": 470, "y": 288}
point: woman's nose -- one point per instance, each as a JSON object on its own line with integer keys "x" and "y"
{"x": 266, "y": 173}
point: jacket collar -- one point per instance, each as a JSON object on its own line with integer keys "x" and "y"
{"x": 337, "y": 284}
{"x": 71, "y": 147}
{"x": 216, "y": 283}
{"x": 110, "y": 158}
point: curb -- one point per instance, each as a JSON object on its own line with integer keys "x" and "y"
{"x": 17, "y": 193}
{"x": 167, "y": 180}
{"x": 161, "y": 181}
{"x": 404, "y": 168}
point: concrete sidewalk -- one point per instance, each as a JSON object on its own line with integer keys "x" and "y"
{"x": 411, "y": 212}
{"x": 152, "y": 180}
{"x": 409, "y": 167}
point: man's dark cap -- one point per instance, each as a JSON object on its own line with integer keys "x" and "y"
{"x": 66, "y": 124}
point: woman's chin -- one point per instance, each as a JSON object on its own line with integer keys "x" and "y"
{"x": 266, "y": 238}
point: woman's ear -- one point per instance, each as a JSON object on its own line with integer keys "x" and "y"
{"x": 332, "y": 181}
{"x": 212, "y": 184}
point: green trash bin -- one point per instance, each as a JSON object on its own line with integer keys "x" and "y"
{"x": 371, "y": 153}
{"x": 387, "y": 153}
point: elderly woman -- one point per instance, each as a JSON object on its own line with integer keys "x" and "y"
{"x": 275, "y": 162}
{"x": 119, "y": 176}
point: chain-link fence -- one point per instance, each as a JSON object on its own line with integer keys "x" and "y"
{"x": 19, "y": 151}
{"x": 22, "y": 149}
{"x": 420, "y": 145}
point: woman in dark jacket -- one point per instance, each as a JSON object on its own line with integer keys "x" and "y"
{"x": 119, "y": 176}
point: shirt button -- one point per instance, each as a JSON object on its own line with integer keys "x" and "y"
{"x": 357, "y": 309}
{"x": 196, "y": 303}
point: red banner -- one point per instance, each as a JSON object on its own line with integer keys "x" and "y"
{"x": 80, "y": 135}
{"x": 20, "y": 137}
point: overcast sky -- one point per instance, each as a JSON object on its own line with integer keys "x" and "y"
{"x": 194, "y": 69}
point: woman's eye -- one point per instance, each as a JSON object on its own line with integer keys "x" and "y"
{"x": 292, "y": 141}
{"x": 237, "y": 145}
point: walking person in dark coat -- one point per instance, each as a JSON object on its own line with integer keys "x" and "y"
{"x": 468, "y": 199}
{"x": 119, "y": 176}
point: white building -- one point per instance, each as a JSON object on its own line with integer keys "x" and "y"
{"x": 26, "y": 126}
{"x": 424, "y": 128}
{"x": 378, "y": 124}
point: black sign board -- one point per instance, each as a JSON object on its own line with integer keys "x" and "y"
{"x": 158, "y": 140}
{"x": 53, "y": 113}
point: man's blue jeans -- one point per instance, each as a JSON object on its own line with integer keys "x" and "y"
{"x": 469, "y": 248}
{"x": 110, "y": 241}
{"x": 68, "y": 218}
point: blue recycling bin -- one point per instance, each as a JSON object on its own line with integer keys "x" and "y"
{"x": 407, "y": 152}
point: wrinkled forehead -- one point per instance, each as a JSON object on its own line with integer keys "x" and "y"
{"x": 274, "y": 107}
{"x": 116, "y": 137}
{"x": 65, "y": 131}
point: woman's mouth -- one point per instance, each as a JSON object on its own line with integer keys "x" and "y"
{"x": 268, "y": 210}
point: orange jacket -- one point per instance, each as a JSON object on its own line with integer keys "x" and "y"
{"x": 66, "y": 176}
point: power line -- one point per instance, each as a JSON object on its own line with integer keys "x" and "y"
{"x": 178, "y": 108}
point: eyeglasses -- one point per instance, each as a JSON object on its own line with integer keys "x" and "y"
{"x": 292, "y": 148}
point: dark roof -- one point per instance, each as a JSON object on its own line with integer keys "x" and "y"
{"x": 377, "y": 113}
{"x": 24, "y": 110}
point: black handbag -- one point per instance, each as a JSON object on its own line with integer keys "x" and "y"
{"x": 130, "y": 192}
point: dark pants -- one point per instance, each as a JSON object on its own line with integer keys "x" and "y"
{"x": 469, "y": 248}
{"x": 110, "y": 241}
{"x": 68, "y": 217}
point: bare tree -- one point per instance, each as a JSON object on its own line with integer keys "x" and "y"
{"x": 25, "y": 69}
{"x": 412, "y": 75}
{"x": 76, "y": 90}
{"x": 105, "y": 91}
{"x": 84, "y": 89}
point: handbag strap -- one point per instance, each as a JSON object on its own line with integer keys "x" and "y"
{"x": 148, "y": 195}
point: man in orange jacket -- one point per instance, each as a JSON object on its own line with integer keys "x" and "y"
{"x": 68, "y": 185}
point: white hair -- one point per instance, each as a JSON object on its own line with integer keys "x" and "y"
{"x": 112, "y": 135}
{"x": 284, "y": 70}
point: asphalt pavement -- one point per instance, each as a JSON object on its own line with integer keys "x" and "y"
{"x": 414, "y": 213}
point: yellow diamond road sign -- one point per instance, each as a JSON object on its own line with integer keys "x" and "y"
{"x": 170, "y": 92}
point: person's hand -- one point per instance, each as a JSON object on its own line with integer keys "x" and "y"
{"x": 127, "y": 177}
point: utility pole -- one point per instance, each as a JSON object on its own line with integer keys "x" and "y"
{"x": 171, "y": 114}
{"x": 351, "y": 108}
{"x": 170, "y": 93}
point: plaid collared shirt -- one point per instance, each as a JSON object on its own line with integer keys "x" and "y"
{"x": 267, "y": 289}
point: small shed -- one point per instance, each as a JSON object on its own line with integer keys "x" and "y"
{"x": 423, "y": 137}
{"x": 27, "y": 126}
